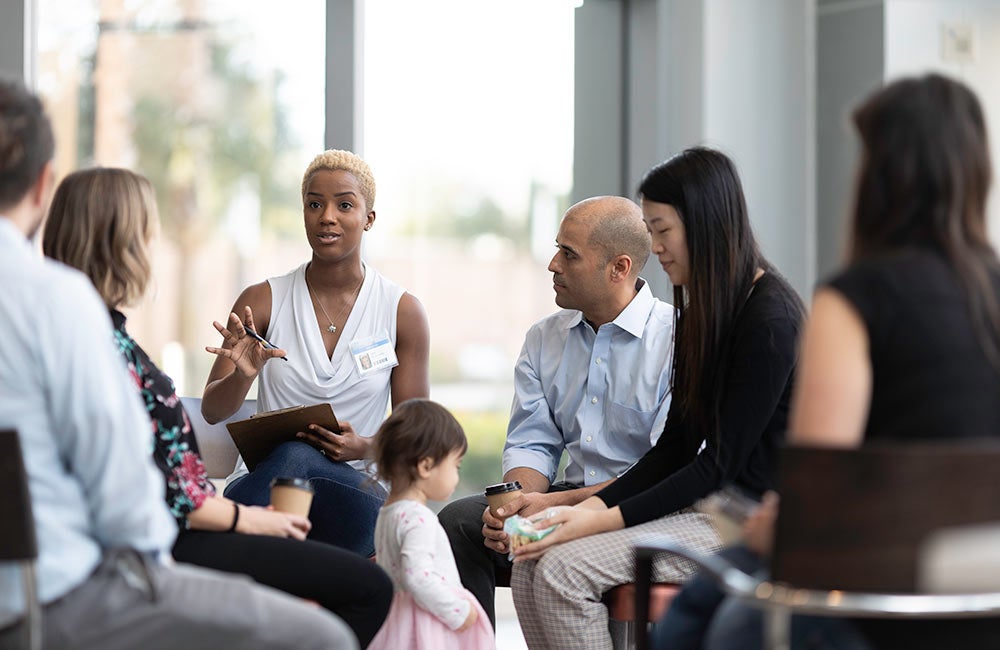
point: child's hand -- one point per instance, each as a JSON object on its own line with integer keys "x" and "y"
{"x": 470, "y": 620}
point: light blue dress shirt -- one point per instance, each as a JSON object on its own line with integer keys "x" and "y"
{"x": 601, "y": 396}
{"x": 84, "y": 433}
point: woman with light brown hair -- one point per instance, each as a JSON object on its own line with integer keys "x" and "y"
{"x": 102, "y": 222}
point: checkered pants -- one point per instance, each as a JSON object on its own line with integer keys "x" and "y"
{"x": 558, "y": 598}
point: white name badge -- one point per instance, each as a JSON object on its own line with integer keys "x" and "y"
{"x": 373, "y": 353}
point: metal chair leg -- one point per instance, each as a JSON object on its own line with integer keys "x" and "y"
{"x": 777, "y": 627}
{"x": 33, "y": 610}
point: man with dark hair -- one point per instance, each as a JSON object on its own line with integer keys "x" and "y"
{"x": 592, "y": 380}
{"x": 103, "y": 529}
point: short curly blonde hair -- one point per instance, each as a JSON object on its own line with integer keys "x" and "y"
{"x": 339, "y": 159}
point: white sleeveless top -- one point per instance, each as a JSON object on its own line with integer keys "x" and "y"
{"x": 309, "y": 376}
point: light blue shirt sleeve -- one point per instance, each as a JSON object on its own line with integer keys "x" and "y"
{"x": 103, "y": 431}
{"x": 534, "y": 439}
{"x": 85, "y": 436}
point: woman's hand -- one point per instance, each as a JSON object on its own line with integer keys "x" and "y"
{"x": 343, "y": 446}
{"x": 758, "y": 529}
{"x": 244, "y": 351}
{"x": 255, "y": 520}
{"x": 575, "y": 522}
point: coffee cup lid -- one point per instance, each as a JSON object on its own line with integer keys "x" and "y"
{"x": 285, "y": 481}
{"x": 501, "y": 488}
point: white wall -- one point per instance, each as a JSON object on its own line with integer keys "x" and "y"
{"x": 913, "y": 45}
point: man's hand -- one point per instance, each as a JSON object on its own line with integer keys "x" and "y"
{"x": 529, "y": 504}
{"x": 493, "y": 536}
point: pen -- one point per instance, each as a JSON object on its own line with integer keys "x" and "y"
{"x": 267, "y": 344}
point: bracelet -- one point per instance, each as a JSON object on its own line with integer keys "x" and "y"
{"x": 236, "y": 517}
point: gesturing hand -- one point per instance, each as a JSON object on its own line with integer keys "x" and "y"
{"x": 343, "y": 446}
{"x": 244, "y": 351}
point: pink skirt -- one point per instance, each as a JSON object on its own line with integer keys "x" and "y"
{"x": 410, "y": 627}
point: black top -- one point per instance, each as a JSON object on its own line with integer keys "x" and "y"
{"x": 930, "y": 378}
{"x": 174, "y": 447}
{"x": 754, "y": 413}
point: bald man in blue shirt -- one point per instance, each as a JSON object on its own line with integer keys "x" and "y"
{"x": 592, "y": 380}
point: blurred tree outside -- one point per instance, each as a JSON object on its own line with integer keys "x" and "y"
{"x": 207, "y": 130}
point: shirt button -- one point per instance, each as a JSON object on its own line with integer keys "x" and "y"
{"x": 593, "y": 400}
{"x": 589, "y": 438}
{"x": 593, "y": 473}
{"x": 598, "y": 362}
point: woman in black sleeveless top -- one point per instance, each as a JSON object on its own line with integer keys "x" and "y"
{"x": 904, "y": 343}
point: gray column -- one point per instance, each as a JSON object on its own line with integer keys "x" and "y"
{"x": 599, "y": 126}
{"x": 344, "y": 84}
{"x": 850, "y": 53}
{"x": 17, "y": 45}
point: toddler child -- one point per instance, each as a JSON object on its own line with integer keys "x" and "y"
{"x": 418, "y": 450}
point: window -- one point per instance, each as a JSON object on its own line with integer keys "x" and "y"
{"x": 468, "y": 126}
{"x": 220, "y": 104}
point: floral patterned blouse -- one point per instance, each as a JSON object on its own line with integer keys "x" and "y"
{"x": 175, "y": 449}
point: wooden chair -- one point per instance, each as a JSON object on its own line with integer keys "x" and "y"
{"x": 217, "y": 449}
{"x": 621, "y": 603}
{"x": 18, "y": 543}
{"x": 851, "y": 531}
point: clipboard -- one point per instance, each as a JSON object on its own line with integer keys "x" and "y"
{"x": 259, "y": 434}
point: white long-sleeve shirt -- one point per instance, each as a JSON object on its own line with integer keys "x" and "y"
{"x": 413, "y": 549}
{"x": 84, "y": 433}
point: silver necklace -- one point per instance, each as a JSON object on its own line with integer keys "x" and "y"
{"x": 332, "y": 329}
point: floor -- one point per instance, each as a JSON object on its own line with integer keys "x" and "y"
{"x": 509, "y": 635}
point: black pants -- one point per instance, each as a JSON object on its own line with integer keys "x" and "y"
{"x": 477, "y": 565}
{"x": 352, "y": 587}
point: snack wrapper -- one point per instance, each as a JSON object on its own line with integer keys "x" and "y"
{"x": 523, "y": 530}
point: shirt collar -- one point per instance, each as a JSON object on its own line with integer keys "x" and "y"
{"x": 633, "y": 318}
{"x": 11, "y": 235}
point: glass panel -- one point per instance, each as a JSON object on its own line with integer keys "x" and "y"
{"x": 220, "y": 104}
{"x": 468, "y": 126}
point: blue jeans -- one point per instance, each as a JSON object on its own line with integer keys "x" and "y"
{"x": 702, "y": 616}
{"x": 346, "y": 503}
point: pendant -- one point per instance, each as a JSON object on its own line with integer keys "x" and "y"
{"x": 332, "y": 329}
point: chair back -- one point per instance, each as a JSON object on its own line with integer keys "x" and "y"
{"x": 18, "y": 541}
{"x": 857, "y": 519}
{"x": 217, "y": 448}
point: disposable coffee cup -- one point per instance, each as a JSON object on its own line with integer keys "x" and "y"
{"x": 292, "y": 495}
{"x": 500, "y": 494}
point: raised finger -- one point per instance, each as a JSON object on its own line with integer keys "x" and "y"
{"x": 248, "y": 318}
{"x": 222, "y": 352}
{"x": 236, "y": 326}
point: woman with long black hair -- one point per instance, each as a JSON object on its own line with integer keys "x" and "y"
{"x": 737, "y": 327}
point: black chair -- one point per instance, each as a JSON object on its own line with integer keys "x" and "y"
{"x": 17, "y": 543}
{"x": 852, "y": 531}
